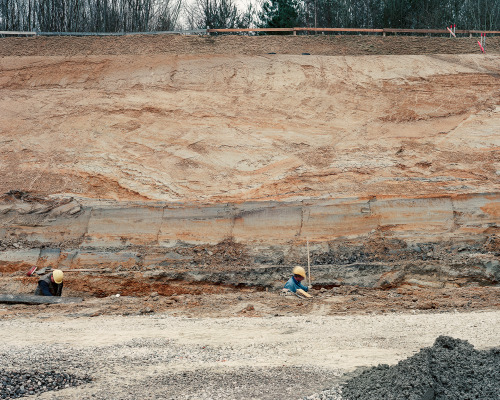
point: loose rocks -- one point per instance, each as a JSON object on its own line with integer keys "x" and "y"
{"x": 449, "y": 370}
{"x": 15, "y": 384}
{"x": 334, "y": 393}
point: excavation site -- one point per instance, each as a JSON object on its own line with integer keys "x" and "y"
{"x": 177, "y": 182}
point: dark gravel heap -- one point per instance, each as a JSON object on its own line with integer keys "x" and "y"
{"x": 15, "y": 384}
{"x": 449, "y": 370}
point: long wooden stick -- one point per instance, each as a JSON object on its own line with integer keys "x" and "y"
{"x": 308, "y": 264}
{"x": 32, "y": 299}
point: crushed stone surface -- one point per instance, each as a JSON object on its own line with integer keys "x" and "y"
{"x": 334, "y": 393}
{"x": 160, "y": 356}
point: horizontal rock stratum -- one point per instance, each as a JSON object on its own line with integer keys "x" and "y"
{"x": 123, "y": 159}
{"x": 370, "y": 242}
{"x": 50, "y": 222}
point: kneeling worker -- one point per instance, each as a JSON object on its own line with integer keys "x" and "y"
{"x": 293, "y": 284}
{"x": 50, "y": 284}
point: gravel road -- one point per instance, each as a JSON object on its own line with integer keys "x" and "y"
{"x": 162, "y": 356}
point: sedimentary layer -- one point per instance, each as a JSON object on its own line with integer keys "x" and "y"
{"x": 376, "y": 242}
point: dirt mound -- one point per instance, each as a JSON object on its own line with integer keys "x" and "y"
{"x": 449, "y": 370}
{"x": 331, "y": 45}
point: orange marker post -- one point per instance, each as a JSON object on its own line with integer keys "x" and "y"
{"x": 479, "y": 43}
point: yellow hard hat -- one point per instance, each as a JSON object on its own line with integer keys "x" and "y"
{"x": 299, "y": 271}
{"x": 58, "y": 276}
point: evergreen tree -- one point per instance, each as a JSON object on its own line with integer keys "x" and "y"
{"x": 279, "y": 14}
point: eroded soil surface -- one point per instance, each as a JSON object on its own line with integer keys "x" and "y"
{"x": 189, "y": 123}
{"x": 331, "y": 45}
{"x": 137, "y": 296}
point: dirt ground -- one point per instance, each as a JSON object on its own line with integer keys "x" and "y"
{"x": 179, "y": 357}
{"x": 135, "y": 295}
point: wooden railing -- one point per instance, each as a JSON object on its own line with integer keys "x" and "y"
{"x": 383, "y": 31}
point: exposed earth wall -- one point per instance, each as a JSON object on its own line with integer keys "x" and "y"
{"x": 207, "y": 159}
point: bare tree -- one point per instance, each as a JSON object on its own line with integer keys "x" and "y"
{"x": 166, "y": 15}
{"x": 147, "y": 15}
{"x": 215, "y": 14}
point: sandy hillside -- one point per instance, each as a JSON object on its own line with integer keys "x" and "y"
{"x": 235, "y": 157}
{"x": 215, "y": 128}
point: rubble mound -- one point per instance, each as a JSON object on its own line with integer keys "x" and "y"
{"x": 15, "y": 384}
{"x": 449, "y": 370}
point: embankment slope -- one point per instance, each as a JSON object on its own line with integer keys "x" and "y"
{"x": 165, "y": 148}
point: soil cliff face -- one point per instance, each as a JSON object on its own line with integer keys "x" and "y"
{"x": 240, "y": 128}
{"x": 191, "y": 163}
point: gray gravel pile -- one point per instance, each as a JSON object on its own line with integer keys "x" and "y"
{"x": 15, "y": 384}
{"x": 449, "y": 370}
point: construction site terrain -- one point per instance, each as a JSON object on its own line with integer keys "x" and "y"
{"x": 178, "y": 179}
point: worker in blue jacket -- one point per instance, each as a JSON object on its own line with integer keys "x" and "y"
{"x": 299, "y": 274}
{"x": 50, "y": 284}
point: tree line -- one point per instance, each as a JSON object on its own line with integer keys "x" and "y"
{"x": 164, "y": 15}
{"x": 89, "y": 15}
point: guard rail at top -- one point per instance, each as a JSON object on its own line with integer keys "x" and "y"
{"x": 294, "y": 31}
{"x": 384, "y": 31}
{"x": 34, "y": 33}
{"x": 17, "y": 33}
